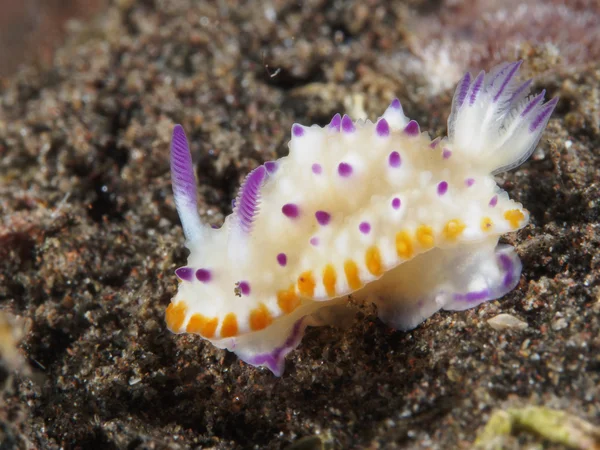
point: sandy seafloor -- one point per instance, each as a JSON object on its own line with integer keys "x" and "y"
{"x": 89, "y": 235}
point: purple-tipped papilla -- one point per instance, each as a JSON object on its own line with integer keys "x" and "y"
{"x": 396, "y": 104}
{"x": 185, "y": 273}
{"x": 463, "y": 89}
{"x": 297, "y": 130}
{"x": 323, "y": 217}
{"x": 271, "y": 166}
{"x": 412, "y": 128}
{"x": 347, "y": 124}
{"x": 442, "y": 187}
{"x": 249, "y": 197}
{"x": 476, "y": 87}
{"x": 344, "y": 169}
{"x": 382, "y": 128}
{"x": 543, "y": 115}
{"x": 512, "y": 70}
{"x": 336, "y": 122}
{"x": 184, "y": 184}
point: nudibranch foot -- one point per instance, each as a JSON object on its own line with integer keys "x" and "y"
{"x": 454, "y": 278}
{"x": 360, "y": 211}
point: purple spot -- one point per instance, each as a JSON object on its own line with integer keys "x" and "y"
{"x": 446, "y": 153}
{"x": 297, "y": 130}
{"x": 382, "y": 128}
{"x": 470, "y": 182}
{"x": 394, "y": 159}
{"x": 463, "y": 88}
{"x": 290, "y": 210}
{"x": 317, "y": 169}
{"x": 203, "y": 275}
{"x": 314, "y": 241}
{"x": 396, "y": 203}
{"x": 323, "y": 217}
{"x": 434, "y": 143}
{"x": 344, "y": 169}
{"x": 271, "y": 166}
{"x": 336, "y": 122}
{"x": 282, "y": 259}
{"x": 347, "y": 125}
{"x": 493, "y": 201}
{"x": 442, "y": 187}
{"x": 412, "y": 128}
{"x": 244, "y": 288}
{"x": 249, "y": 197}
{"x": 185, "y": 273}
{"x": 396, "y": 104}
{"x": 364, "y": 227}
{"x": 476, "y": 87}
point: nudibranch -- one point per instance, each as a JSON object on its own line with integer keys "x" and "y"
{"x": 377, "y": 211}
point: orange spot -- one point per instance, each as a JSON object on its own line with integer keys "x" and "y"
{"x": 351, "y": 271}
{"x": 288, "y": 299}
{"x": 425, "y": 236}
{"x": 260, "y": 318}
{"x": 306, "y": 284}
{"x": 202, "y": 325}
{"x": 329, "y": 279}
{"x": 453, "y": 229}
{"x": 486, "y": 224}
{"x": 373, "y": 261}
{"x": 175, "y": 315}
{"x": 514, "y": 217}
{"x": 404, "y": 245}
{"x": 230, "y": 326}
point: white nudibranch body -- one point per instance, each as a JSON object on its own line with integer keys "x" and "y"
{"x": 376, "y": 210}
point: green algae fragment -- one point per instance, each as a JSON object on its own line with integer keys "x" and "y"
{"x": 558, "y": 427}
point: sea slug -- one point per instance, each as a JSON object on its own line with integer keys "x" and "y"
{"x": 376, "y": 210}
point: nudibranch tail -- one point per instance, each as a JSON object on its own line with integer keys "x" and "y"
{"x": 184, "y": 186}
{"x": 493, "y": 122}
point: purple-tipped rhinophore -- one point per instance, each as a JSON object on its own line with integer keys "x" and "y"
{"x": 463, "y": 89}
{"x": 336, "y": 122}
{"x": 248, "y": 198}
{"x": 412, "y": 128}
{"x": 185, "y": 273}
{"x": 476, "y": 87}
{"x": 512, "y": 69}
{"x": 543, "y": 115}
{"x": 382, "y": 128}
{"x": 347, "y": 124}
{"x": 184, "y": 184}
